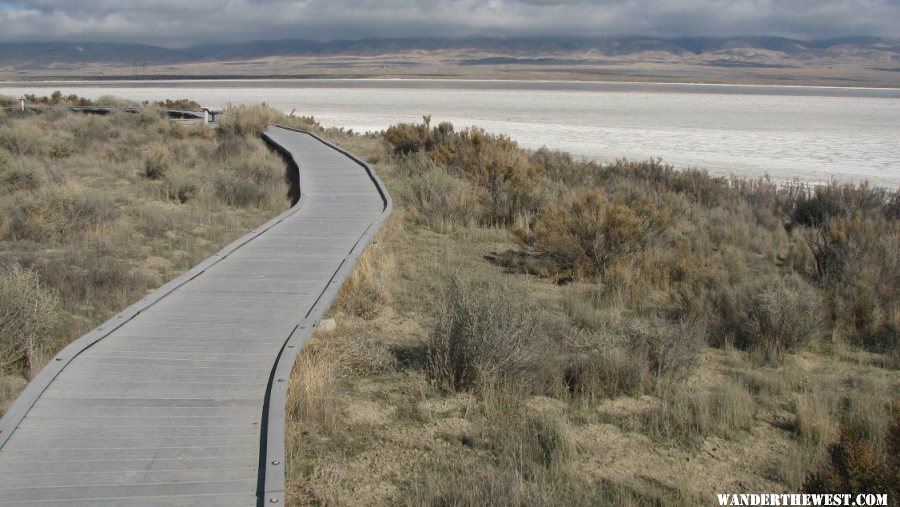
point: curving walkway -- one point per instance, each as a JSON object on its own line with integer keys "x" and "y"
{"x": 179, "y": 400}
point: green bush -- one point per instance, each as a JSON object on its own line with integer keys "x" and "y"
{"x": 28, "y": 313}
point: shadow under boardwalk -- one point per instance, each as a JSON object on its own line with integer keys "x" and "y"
{"x": 165, "y": 403}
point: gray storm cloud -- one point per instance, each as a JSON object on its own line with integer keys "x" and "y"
{"x": 183, "y": 22}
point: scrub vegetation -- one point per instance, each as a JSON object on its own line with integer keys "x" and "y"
{"x": 97, "y": 210}
{"x": 553, "y": 331}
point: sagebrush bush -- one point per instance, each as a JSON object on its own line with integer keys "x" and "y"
{"x": 628, "y": 358}
{"x": 588, "y": 233}
{"x": 21, "y": 174}
{"x": 55, "y": 212}
{"x": 157, "y": 162}
{"x": 28, "y": 314}
{"x": 22, "y": 139}
{"x": 181, "y": 187}
{"x": 494, "y": 163}
{"x": 239, "y": 192}
{"x": 484, "y": 331}
{"x": 768, "y": 316}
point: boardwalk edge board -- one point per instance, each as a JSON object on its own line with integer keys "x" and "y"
{"x": 270, "y": 487}
{"x": 274, "y": 411}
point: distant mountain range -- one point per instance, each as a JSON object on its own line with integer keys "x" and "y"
{"x": 44, "y": 54}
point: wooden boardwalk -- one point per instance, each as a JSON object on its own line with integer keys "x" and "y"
{"x": 179, "y": 399}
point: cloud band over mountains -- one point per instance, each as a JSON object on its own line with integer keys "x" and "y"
{"x": 176, "y": 23}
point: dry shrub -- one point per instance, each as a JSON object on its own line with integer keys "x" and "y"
{"x": 257, "y": 164}
{"x": 28, "y": 313}
{"x": 22, "y": 174}
{"x": 769, "y": 316}
{"x": 587, "y": 233}
{"x": 484, "y": 330}
{"x": 864, "y": 263}
{"x": 494, "y": 163}
{"x": 605, "y": 373}
{"x": 407, "y": 138}
{"x": 113, "y": 101}
{"x": 442, "y": 201}
{"x": 94, "y": 281}
{"x": 247, "y": 121}
{"x": 56, "y": 212}
{"x": 240, "y": 192}
{"x": 157, "y": 162}
{"x": 22, "y": 139}
{"x": 632, "y": 361}
{"x": 181, "y": 187}
{"x": 686, "y": 415}
{"x": 854, "y": 466}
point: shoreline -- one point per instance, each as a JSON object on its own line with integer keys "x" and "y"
{"x": 414, "y": 83}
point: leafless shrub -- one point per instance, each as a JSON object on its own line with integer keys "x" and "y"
{"x": 157, "y": 162}
{"x": 28, "y": 314}
{"x": 239, "y": 192}
{"x": 769, "y": 316}
{"x": 484, "y": 330}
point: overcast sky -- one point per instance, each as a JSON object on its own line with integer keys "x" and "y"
{"x": 175, "y": 23}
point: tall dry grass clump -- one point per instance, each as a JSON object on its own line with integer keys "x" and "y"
{"x": 686, "y": 415}
{"x": 438, "y": 199}
{"x": 247, "y": 121}
{"x": 369, "y": 287}
{"x": 28, "y": 314}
